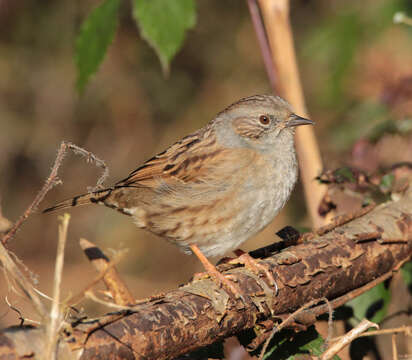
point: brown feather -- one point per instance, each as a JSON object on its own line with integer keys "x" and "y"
{"x": 182, "y": 162}
{"x": 85, "y": 199}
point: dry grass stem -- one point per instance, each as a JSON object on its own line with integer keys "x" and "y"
{"x": 394, "y": 348}
{"x": 276, "y": 18}
{"x": 17, "y": 280}
{"x": 347, "y": 339}
{"x": 56, "y": 316}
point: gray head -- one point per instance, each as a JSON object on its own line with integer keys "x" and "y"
{"x": 258, "y": 121}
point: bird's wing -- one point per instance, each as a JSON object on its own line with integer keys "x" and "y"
{"x": 192, "y": 160}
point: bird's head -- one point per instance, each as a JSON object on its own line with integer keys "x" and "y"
{"x": 260, "y": 121}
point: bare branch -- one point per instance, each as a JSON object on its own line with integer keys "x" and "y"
{"x": 335, "y": 265}
{"x": 53, "y": 180}
{"x": 90, "y": 157}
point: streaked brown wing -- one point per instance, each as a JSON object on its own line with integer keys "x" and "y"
{"x": 188, "y": 160}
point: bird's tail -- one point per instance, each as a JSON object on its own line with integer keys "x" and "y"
{"x": 85, "y": 199}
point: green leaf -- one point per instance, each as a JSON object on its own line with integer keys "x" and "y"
{"x": 406, "y": 271}
{"x": 387, "y": 182}
{"x": 372, "y": 305}
{"x": 344, "y": 174}
{"x": 289, "y": 345}
{"x": 163, "y": 24}
{"x": 95, "y": 36}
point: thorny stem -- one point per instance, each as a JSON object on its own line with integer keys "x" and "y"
{"x": 53, "y": 180}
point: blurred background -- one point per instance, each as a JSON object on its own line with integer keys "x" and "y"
{"x": 356, "y": 68}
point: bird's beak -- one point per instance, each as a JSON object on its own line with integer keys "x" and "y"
{"x": 295, "y": 120}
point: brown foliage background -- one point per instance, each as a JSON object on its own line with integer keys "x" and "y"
{"x": 129, "y": 111}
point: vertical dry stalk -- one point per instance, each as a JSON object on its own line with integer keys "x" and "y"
{"x": 394, "y": 348}
{"x": 55, "y": 313}
{"x": 279, "y": 33}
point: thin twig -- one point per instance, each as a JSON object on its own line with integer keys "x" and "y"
{"x": 407, "y": 330}
{"x": 90, "y": 157}
{"x": 330, "y": 322}
{"x": 56, "y": 316}
{"x": 335, "y": 303}
{"x": 285, "y": 322}
{"x": 329, "y": 306}
{"x": 13, "y": 308}
{"x": 263, "y": 43}
{"x": 347, "y": 339}
{"x": 344, "y": 219}
{"x": 51, "y": 181}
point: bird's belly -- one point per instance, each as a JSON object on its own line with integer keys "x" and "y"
{"x": 224, "y": 222}
{"x": 254, "y": 211}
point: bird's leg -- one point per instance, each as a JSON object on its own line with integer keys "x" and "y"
{"x": 255, "y": 266}
{"x": 221, "y": 279}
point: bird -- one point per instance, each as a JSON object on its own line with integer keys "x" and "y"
{"x": 217, "y": 187}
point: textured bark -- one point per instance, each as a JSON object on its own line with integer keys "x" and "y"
{"x": 330, "y": 266}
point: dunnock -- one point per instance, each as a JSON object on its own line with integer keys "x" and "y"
{"x": 213, "y": 189}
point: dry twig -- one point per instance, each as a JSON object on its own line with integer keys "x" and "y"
{"x": 117, "y": 287}
{"x": 347, "y": 339}
{"x": 201, "y": 313}
{"x": 53, "y": 180}
{"x": 279, "y": 33}
{"x": 289, "y": 320}
{"x": 78, "y": 297}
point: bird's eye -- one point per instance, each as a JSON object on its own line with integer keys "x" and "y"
{"x": 264, "y": 119}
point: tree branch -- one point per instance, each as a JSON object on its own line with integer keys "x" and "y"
{"x": 200, "y": 313}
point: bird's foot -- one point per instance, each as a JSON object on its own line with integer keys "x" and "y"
{"x": 226, "y": 281}
{"x": 255, "y": 266}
